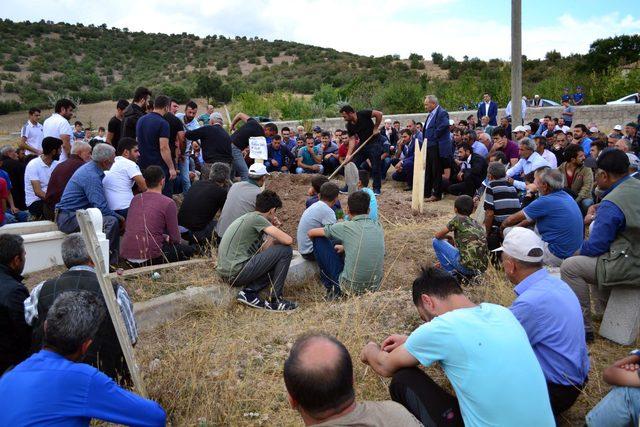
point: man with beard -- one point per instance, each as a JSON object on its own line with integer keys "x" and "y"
{"x": 134, "y": 111}
{"x": 114, "y": 128}
{"x": 57, "y": 125}
{"x": 38, "y": 173}
{"x": 578, "y": 179}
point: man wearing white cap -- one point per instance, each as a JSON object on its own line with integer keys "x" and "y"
{"x": 617, "y": 130}
{"x": 519, "y": 132}
{"x": 242, "y": 197}
{"x": 550, "y": 313}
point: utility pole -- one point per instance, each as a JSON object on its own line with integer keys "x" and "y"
{"x": 516, "y": 63}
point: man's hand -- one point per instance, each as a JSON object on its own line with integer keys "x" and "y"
{"x": 339, "y": 249}
{"x": 14, "y": 210}
{"x": 368, "y": 349}
{"x": 393, "y": 341}
{"x": 348, "y": 158}
{"x": 531, "y": 187}
{"x": 172, "y": 174}
{"x": 274, "y": 163}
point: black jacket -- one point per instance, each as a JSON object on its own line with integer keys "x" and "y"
{"x": 478, "y": 170}
{"x": 393, "y": 139}
{"x": 15, "y": 334}
{"x": 131, "y": 115}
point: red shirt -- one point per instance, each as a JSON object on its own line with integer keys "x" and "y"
{"x": 342, "y": 150}
{"x": 4, "y": 195}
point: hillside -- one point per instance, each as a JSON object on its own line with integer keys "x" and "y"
{"x": 42, "y": 61}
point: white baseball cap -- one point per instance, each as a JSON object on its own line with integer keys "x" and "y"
{"x": 617, "y": 127}
{"x": 258, "y": 169}
{"x": 522, "y": 244}
{"x": 520, "y": 129}
{"x": 527, "y": 128}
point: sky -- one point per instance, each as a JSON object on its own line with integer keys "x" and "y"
{"x": 477, "y": 28}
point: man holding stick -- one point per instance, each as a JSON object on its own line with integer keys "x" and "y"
{"x": 363, "y": 131}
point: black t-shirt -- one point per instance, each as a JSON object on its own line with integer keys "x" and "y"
{"x": 363, "y": 127}
{"x": 240, "y": 138}
{"x": 175, "y": 126}
{"x": 215, "y": 143}
{"x": 115, "y": 127}
{"x": 200, "y": 205}
{"x": 15, "y": 169}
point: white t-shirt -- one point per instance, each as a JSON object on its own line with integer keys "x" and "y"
{"x": 118, "y": 181}
{"x": 34, "y": 135}
{"x": 56, "y": 125}
{"x": 36, "y": 170}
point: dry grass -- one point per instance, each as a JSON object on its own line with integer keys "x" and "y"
{"x": 223, "y": 365}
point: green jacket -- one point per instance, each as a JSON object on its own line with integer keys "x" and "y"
{"x": 621, "y": 264}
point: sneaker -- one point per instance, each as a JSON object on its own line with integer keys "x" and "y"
{"x": 376, "y": 192}
{"x": 281, "y": 305}
{"x": 252, "y": 300}
{"x": 344, "y": 190}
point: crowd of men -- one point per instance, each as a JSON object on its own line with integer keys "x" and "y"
{"x": 538, "y": 187}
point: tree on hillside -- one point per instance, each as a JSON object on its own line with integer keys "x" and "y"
{"x": 612, "y": 52}
{"x": 437, "y": 58}
{"x": 211, "y": 87}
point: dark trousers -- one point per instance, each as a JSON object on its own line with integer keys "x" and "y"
{"x": 467, "y": 186}
{"x": 169, "y": 184}
{"x": 173, "y": 252}
{"x": 67, "y": 223}
{"x": 206, "y": 234}
{"x": 372, "y": 153}
{"x": 562, "y": 397}
{"x": 433, "y": 178}
{"x": 36, "y": 209}
{"x": 266, "y": 268}
{"x": 329, "y": 262}
{"x": 330, "y": 165}
{"x": 424, "y": 398}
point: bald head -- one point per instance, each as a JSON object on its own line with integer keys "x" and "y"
{"x": 319, "y": 375}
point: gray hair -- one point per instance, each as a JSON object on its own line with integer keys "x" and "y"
{"x": 102, "y": 152}
{"x": 552, "y": 177}
{"x": 74, "y": 318}
{"x": 220, "y": 172}
{"x": 529, "y": 143}
{"x": 74, "y": 251}
{"x": 6, "y": 149}
{"x": 79, "y": 146}
{"x": 473, "y": 136}
{"x": 496, "y": 170}
{"x": 432, "y": 98}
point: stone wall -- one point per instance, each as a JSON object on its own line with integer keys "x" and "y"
{"x": 605, "y": 116}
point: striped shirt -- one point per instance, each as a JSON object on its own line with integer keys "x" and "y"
{"x": 501, "y": 198}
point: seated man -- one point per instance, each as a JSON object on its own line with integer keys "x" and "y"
{"x": 578, "y": 179}
{"x": 556, "y": 215}
{"x": 241, "y": 198}
{"x": 404, "y": 165}
{"x": 549, "y": 312}
{"x": 314, "y": 193}
{"x": 255, "y": 254}
{"x": 330, "y": 155}
{"x": 469, "y": 255}
{"x": 151, "y": 234}
{"x": 309, "y": 157}
{"x": 279, "y": 157}
{"x": 15, "y": 333}
{"x": 500, "y": 201}
{"x": 529, "y": 161}
{"x": 473, "y": 343}
{"x": 361, "y": 240}
{"x": 124, "y": 174}
{"x": 35, "y": 385}
{"x": 598, "y": 264}
{"x": 84, "y": 190}
{"x": 319, "y": 378}
{"x": 621, "y": 406}
{"x": 80, "y": 154}
{"x": 473, "y": 170}
{"x": 104, "y": 353}
{"x": 203, "y": 201}
{"x": 38, "y": 173}
{"x": 502, "y": 143}
{"x": 318, "y": 215}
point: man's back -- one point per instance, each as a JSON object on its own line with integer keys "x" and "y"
{"x": 36, "y": 386}
{"x": 15, "y": 335}
{"x": 59, "y": 179}
{"x": 486, "y": 356}
{"x": 375, "y": 414}
{"x": 149, "y": 129}
{"x": 240, "y": 200}
{"x": 118, "y": 183}
{"x": 200, "y": 205}
{"x": 502, "y": 198}
{"x": 16, "y": 169}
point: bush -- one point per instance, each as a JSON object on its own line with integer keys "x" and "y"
{"x": 9, "y": 106}
{"x": 11, "y": 66}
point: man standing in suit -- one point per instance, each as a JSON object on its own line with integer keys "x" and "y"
{"x": 439, "y": 148}
{"x": 488, "y": 108}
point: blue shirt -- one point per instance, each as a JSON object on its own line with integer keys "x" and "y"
{"x": 486, "y": 356}
{"x": 48, "y": 389}
{"x": 586, "y": 146}
{"x": 480, "y": 149}
{"x": 558, "y": 221}
{"x": 525, "y": 167}
{"x": 609, "y": 222}
{"x": 550, "y": 314}
{"x": 373, "y": 205}
{"x": 84, "y": 190}
{"x": 149, "y": 129}
{"x": 578, "y": 97}
{"x": 4, "y": 175}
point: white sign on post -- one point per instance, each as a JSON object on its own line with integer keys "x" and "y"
{"x": 258, "y": 148}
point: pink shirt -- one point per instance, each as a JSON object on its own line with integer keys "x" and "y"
{"x": 151, "y": 217}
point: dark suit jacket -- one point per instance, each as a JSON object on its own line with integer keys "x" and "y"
{"x": 393, "y": 139}
{"x": 287, "y": 157}
{"x": 478, "y": 170}
{"x": 437, "y": 132}
{"x": 492, "y": 113}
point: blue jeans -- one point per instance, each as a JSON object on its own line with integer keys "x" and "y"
{"x": 300, "y": 171}
{"x": 386, "y": 164}
{"x": 20, "y": 216}
{"x": 122, "y": 212}
{"x": 619, "y": 408}
{"x": 585, "y": 204}
{"x": 239, "y": 166}
{"x": 183, "y": 175}
{"x": 329, "y": 262}
{"x": 449, "y": 257}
